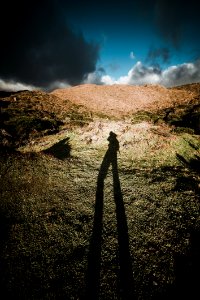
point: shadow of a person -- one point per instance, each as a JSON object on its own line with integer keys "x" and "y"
{"x": 94, "y": 259}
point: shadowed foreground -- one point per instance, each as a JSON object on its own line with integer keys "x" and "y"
{"x": 56, "y": 243}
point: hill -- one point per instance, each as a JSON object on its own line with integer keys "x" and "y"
{"x": 80, "y": 219}
{"x": 121, "y": 100}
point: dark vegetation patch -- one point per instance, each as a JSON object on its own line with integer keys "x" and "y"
{"x": 21, "y": 121}
{"x": 183, "y": 118}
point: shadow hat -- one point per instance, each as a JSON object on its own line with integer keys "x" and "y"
{"x": 112, "y": 134}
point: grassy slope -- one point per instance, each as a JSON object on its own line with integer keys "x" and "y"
{"x": 48, "y": 205}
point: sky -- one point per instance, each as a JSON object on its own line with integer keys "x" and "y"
{"x": 57, "y": 43}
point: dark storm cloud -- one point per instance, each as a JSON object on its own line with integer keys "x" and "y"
{"x": 38, "y": 47}
{"x": 175, "y": 18}
{"x": 168, "y": 20}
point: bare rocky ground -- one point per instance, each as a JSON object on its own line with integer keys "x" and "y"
{"x": 71, "y": 229}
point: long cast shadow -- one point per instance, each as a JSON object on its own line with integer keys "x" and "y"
{"x": 94, "y": 258}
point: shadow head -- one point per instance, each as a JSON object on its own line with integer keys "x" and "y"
{"x": 112, "y": 136}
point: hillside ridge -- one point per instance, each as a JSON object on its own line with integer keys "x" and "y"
{"x": 120, "y": 100}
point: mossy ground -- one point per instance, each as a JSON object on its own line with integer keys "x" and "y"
{"x": 48, "y": 206}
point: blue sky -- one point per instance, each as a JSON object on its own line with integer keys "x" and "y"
{"x": 61, "y": 43}
{"x": 132, "y": 27}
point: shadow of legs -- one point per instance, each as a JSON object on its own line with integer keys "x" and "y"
{"x": 94, "y": 257}
{"x": 126, "y": 273}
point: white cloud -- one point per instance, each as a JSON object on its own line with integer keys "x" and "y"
{"x": 132, "y": 55}
{"x": 108, "y": 80}
{"x": 181, "y": 74}
{"x": 13, "y": 86}
{"x": 140, "y": 74}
